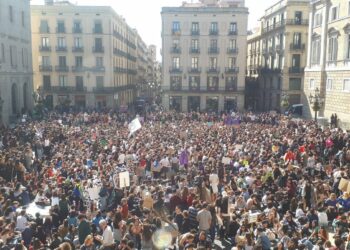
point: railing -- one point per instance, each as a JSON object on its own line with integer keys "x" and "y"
{"x": 205, "y": 89}
{"x": 67, "y": 89}
{"x": 297, "y": 22}
{"x": 98, "y": 69}
{"x": 273, "y": 26}
{"x": 108, "y": 90}
{"x": 266, "y": 70}
{"x": 194, "y": 50}
{"x": 265, "y": 51}
{"x": 213, "y": 32}
{"x": 44, "y": 30}
{"x": 213, "y": 70}
{"x": 297, "y": 46}
{"x": 61, "y": 68}
{"x": 175, "y": 70}
{"x": 232, "y": 32}
{"x": 231, "y": 87}
{"x": 175, "y": 87}
{"x": 45, "y": 68}
{"x": 120, "y": 70}
{"x": 271, "y": 49}
{"x": 61, "y": 30}
{"x": 45, "y": 48}
{"x": 194, "y": 70}
{"x": 231, "y": 70}
{"x": 175, "y": 50}
{"x": 176, "y": 32}
{"x": 61, "y": 49}
{"x": 98, "y": 30}
{"x": 295, "y": 70}
{"x": 195, "y": 33}
{"x": 232, "y": 50}
{"x": 77, "y": 49}
{"x": 77, "y": 30}
{"x": 279, "y": 47}
{"x": 78, "y": 68}
{"x": 99, "y": 49}
{"x": 213, "y": 50}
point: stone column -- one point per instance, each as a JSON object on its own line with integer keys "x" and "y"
{"x": 184, "y": 104}
{"x": 203, "y": 102}
{"x": 309, "y": 41}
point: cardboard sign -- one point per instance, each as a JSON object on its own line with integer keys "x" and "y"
{"x": 253, "y": 217}
{"x": 124, "y": 179}
{"x": 226, "y": 160}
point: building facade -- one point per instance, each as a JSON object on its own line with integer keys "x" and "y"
{"x": 204, "y": 55}
{"x": 277, "y": 53}
{"x": 328, "y": 59}
{"x": 84, "y": 56}
{"x": 16, "y": 83}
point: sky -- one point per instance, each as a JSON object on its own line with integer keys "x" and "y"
{"x": 144, "y": 15}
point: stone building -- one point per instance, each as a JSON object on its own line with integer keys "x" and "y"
{"x": 328, "y": 59}
{"x": 204, "y": 55}
{"x": 276, "y": 56}
{"x": 84, "y": 55}
{"x": 16, "y": 83}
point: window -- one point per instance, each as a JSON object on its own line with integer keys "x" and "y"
{"x": 194, "y": 63}
{"x": 296, "y": 61}
{"x": 176, "y": 43}
{"x": 79, "y": 83}
{"x": 45, "y": 42}
{"x": 231, "y": 83}
{"x": 176, "y": 62}
{"x": 46, "y": 61}
{"x": 329, "y": 84}
{"x": 176, "y": 26}
{"x": 22, "y": 18}
{"x": 332, "y": 49}
{"x": 60, "y": 27}
{"x": 298, "y": 15}
{"x": 294, "y": 83}
{"x": 297, "y": 40}
{"x": 77, "y": 26}
{"x": 78, "y": 42}
{"x": 99, "y": 61}
{"x": 194, "y": 82}
{"x": 213, "y": 43}
{"x": 11, "y": 13}
{"x": 79, "y": 61}
{"x": 233, "y": 27}
{"x": 3, "y": 56}
{"x": 316, "y": 51}
{"x": 44, "y": 26}
{"x": 213, "y": 62}
{"x": 98, "y": 43}
{"x": 318, "y": 19}
{"x": 13, "y": 56}
{"x": 61, "y": 42}
{"x": 346, "y": 85}
{"x": 214, "y": 27}
{"x": 333, "y": 13}
{"x": 62, "y": 81}
{"x": 195, "y": 27}
{"x": 47, "y": 82}
{"x": 213, "y": 82}
{"x": 62, "y": 62}
{"x": 232, "y": 43}
{"x": 98, "y": 27}
{"x": 231, "y": 62}
{"x": 194, "y": 43}
{"x": 175, "y": 82}
{"x": 99, "y": 81}
{"x": 312, "y": 84}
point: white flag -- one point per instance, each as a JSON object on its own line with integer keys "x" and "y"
{"x": 134, "y": 125}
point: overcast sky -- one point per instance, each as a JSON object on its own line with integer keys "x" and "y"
{"x": 144, "y": 15}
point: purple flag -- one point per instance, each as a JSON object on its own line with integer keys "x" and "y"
{"x": 183, "y": 157}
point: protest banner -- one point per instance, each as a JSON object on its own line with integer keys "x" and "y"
{"x": 253, "y": 217}
{"x": 124, "y": 179}
{"x": 226, "y": 160}
{"x": 133, "y": 126}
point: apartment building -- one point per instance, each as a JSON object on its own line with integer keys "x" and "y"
{"x": 277, "y": 53}
{"x": 328, "y": 59}
{"x": 204, "y": 55}
{"x": 16, "y": 82}
{"x": 84, "y": 55}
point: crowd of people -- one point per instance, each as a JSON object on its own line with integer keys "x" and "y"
{"x": 190, "y": 181}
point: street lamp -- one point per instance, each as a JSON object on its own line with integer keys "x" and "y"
{"x": 317, "y": 102}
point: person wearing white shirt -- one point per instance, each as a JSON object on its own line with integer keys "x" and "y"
{"x": 299, "y": 213}
{"x": 107, "y": 239}
{"x": 22, "y": 221}
{"x": 214, "y": 182}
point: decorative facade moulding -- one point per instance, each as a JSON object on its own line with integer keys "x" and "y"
{"x": 333, "y": 32}
{"x": 347, "y": 28}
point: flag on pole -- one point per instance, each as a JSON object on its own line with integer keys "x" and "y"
{"x": 134, "y": 125}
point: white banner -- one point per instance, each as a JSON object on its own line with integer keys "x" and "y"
{"x": 134, "y": 125}
{"x": 124, "y": 179}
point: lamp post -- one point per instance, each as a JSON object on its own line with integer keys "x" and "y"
{"x": 317, "y": 102}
